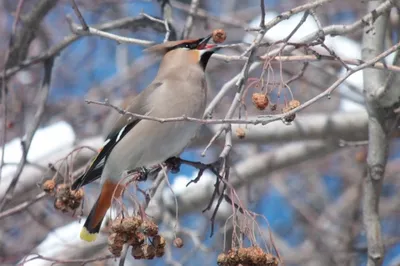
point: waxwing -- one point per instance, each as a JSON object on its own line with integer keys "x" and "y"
{"x": 178, "y": 89}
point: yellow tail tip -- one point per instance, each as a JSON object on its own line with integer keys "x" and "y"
{"x": 85, "y": 235}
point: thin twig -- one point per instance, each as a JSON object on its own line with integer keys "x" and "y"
{"x": 3, "y": 93}
{"x": 80, "y": 261}
{"x": 79, "y": 15}
{"x": 189, "y": 21}
{"x": 22, "y": 206}
{"x": 27, "y": 140}
{"x": 132, "y": 22}
{"x": 119, "y": 39}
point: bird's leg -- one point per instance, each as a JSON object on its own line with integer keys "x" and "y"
{"x": 142, "y": 173}
{"x": 174, "y": 164}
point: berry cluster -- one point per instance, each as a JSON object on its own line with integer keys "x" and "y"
{"x": 261, "y": 101}
{"x": 134, "y": 231}
{"x": 251, "y": 256}
{"x": 65, "y": 198}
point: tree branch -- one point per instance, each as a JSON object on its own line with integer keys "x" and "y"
{"x": 373, "y": 45}
{"x": 27, "y": 140}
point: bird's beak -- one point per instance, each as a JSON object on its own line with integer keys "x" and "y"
{"x": 203, "y": 42}
{"x": 204, "y": 47}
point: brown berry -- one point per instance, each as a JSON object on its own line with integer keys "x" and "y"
{"x": 149, "y": 251}
{"x": 256, "y": 256}
{"x": 63, "y": 192}
{"x": 221, "y": 260}
{"x": 137, "y": 252}
{"x": 115, "y": 244}
{"x": 78, "y": 194}
{"x": 137, "y": 239}
{"x": 115, "y": 239}
{"x": 115, "y": 250}
{"x": 240, "y": 133}
{"x": 219, "y": 36}
{"x": 288, "y": 118}
{"x": 160, "y": 252}
{"x": 149, "y": 228}
{"x": 60, "y": 205}
{"x": 294, "y": 104}
{"x": 130, "y": 224}
{"x": 116, "y": 226}
{"x": 232, "y": 257}
{"x": 49, "y": 186}
{"x": 178, "y": 242}
{"x": 260, "y": 100}
{"x": 158, "y": 241}
{"x": 74, "y": 204}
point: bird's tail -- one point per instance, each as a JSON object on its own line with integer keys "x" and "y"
{"x": 93, "y": 223}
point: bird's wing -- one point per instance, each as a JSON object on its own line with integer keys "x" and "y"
{"x": 122, "y": 126}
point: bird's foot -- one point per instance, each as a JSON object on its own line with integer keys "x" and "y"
{"x": 174, "y": 164}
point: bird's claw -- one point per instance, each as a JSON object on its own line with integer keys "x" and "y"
{"x": 174, "y": 164}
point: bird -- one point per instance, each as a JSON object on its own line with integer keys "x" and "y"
{"x": 179, "y": 89}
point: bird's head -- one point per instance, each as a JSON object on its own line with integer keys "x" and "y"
{"x": 195, "y": 51}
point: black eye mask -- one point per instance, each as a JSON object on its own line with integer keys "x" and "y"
{"x": 188, "y": 45}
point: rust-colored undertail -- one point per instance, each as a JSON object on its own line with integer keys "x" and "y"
{"x": 93, "y": 223}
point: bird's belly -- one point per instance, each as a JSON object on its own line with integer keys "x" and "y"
{"x": 166, "y": 140}
{"x": 172, "y": 144}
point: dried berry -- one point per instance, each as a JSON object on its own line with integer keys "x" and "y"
{"x": 219, "y": 36}
{"x": 160, "y": 252}
{"x": 243, "y": 254}
{"x": 256, "y": 256}
{"x": 137, "y": 239}
{"x": 232, "y": 258}
{"x": 247, "y": 256}
{"x": 178, "y": 242}
{"x": 115, "y": 239}
{"x": 49, "y": 186}
{"x": 115, "y": 250}
{"x": 240, "y": 133}
{"x": 149, "y": 252}
{"x": 137, "y": 252}
{"x": 158, "y": 241}
{"x": 63, "y": 188}
{"x": 115, "y": 244}
{"x": 116, "y": 226}
{"x": 149, "y": 228}
{"x": 288, "y": 118}
{"x": 60, "y": 205}
{"x": 131, "y": 224}
{"x": 221, "y": 260}
{"x": 294, "y": 104}
{"x": 260, "y": 100}
{"x": 74, "y": 204}
{"x": 78, "y": 194}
